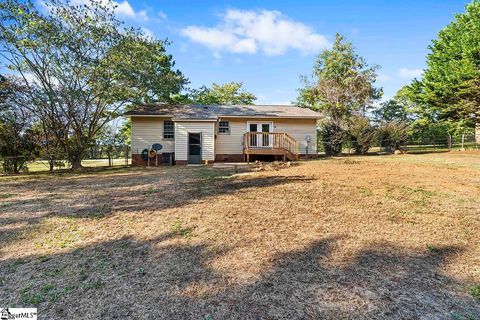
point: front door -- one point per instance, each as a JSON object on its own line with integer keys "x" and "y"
{"x": 194, "y": 148}
{"x": 258, "y": 139}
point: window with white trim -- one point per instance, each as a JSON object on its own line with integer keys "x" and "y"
{"x": 224, "y": 127}
{"x": 168, "y": 130}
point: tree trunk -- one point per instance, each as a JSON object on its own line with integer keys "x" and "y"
{"x": 51, "y": 163}
{"x": 76, "y": 161}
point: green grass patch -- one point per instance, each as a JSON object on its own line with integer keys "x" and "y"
{"x": 95, "y": 284}
{"x": 141, "y": 271}
{"x": 365, "y": 191}
{"x": 432, "y": 249}
{"x": 15, "y": 264}
{"x": 475, "y": 291}
{"x": 179, "y": 229}
{"x": 31, "y": 297}
{"x": 5, "y": 204}
{"x": 209, "y": 174}
{"x": 151, "y": 190}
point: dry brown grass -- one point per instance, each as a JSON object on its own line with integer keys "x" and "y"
{"x": 392, "y": 237}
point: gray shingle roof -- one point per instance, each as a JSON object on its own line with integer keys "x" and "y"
{"x": 206, "y": 112}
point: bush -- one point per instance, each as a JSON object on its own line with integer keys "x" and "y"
{"x": 393, "y": 135}
{"x": 361, "y": 134}
{"x": 332, "y": 136}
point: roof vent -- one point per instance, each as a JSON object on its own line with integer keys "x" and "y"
{"x": 205, "y": 107}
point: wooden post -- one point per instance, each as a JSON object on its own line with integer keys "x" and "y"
{"x": 449, "y": 142}
{"x": 148, "y": 158}
{"x": 463, "y": 143}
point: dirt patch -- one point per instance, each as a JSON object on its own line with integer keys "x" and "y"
{"x": 392, "y": 237}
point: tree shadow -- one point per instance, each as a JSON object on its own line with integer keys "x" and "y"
{"x": 96, "y": 197}
{"x": 172, "y": 278}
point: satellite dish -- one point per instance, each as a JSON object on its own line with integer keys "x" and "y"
{"x": 157, "y": 147}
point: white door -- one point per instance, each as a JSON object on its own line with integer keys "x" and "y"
{"x": 260, "y": 140}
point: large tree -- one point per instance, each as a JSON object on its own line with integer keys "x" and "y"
{"x": 83, "y": 66}
{"x": 342, "y": 85}
{"x": 19, "y": 137}
{"x": 400, "y": 107}
{"x": 450, "y": 89}
{"x": 229, "y": 93}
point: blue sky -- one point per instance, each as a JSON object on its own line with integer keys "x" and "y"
{"x": 267, "y": 45}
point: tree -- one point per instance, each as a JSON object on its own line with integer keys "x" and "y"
{"x": 230, "y": 93}
{"x": 342, "y": 85}
{"x": 4, "y": 88}
{"x": 393, "y": 134}
{"x": 84, "y": 66}
{"x": 400, "y": 107}
{"x": 110, "y": 140}
{"x": 450, "y": 88}
{"x": 18, "y": 137}
{"x": 361, "y": 134}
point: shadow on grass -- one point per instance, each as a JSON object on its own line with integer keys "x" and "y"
{"x": 170, "y": 278}
{"x": 83, "y": 197}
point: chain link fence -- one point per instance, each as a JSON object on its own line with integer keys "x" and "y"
{"x": 95, "y": 157}
{"x": 425, "y": 144}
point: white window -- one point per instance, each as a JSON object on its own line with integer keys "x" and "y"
{"x": 168, "y": 130}
{"x": 224, "y": 127}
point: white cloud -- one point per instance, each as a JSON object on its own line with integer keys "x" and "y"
{"x": 122, "y": 9}
{"x": 162, "y": 15}
{"x": 410, "y": 73}
{"x": 246, "y": 31}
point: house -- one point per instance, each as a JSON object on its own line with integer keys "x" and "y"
{"x": 191, "y": 134}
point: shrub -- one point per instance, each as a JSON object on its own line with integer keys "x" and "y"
{"x": 361, "y": 134}
{"x": 393, "y": 135}
{"x": 333, "y": 137}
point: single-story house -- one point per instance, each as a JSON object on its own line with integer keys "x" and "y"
{"x": 189, "y": 134}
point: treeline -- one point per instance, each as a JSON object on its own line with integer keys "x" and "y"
{"x": 76, "y": 68}
{"x": 444, "y": 102}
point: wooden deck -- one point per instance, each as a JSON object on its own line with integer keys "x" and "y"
{"x": 270, "y": 143}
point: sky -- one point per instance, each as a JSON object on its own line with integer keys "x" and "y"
{"x": 268, "y": 45}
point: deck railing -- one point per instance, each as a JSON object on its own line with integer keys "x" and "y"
{"x": 270, "y": 140}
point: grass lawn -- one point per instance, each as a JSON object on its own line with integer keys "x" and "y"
{"x": 42, "y": 165}
{"x": 382, "y": 237}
